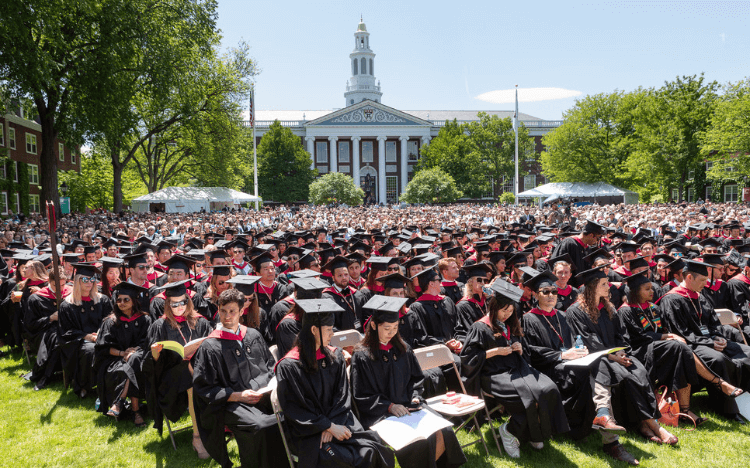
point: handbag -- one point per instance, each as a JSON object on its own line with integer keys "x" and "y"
{"x": 669, "y": 408}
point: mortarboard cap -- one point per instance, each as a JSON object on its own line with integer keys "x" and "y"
{"x": 385, "y": 308}
{"x": 244, "y": 283}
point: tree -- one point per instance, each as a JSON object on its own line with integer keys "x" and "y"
{"x": 336, "y": 188}
{"x": 284, "y": 173}
{"x": 431, "y": 186}
{"x": 669, "y": 124}
{"x": 92, "y": 188}
{"x": 451, "y": 151}
{"x": 726, "y": 142}
{"x": 594, "y": 141}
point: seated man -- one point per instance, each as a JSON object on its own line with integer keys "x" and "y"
{"x": 229, "y": 367}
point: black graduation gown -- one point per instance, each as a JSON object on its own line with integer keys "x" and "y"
{"x": 286, "y": 332}
{"x": 684, "y": 313}
{"x": 225, "y": 364}
{"x": 352, "y": 316}
{"x": 393, "y": 377}
{"x": 452, "y": 289}
{"x": 312, "y": 402}
{"x": 438, "y": 315}
{"x": 44, "y": 334}
{"x": 739, "y": 299}
{"x": 6, "y": 313}
{"x": 168, "y": 379}
{"x": 469, "y": 311}
{"x": 412, "y": 331}
{"x": 112, "y": 372}
{"x": 576, "y": 250}
{"x": 566, "y": 297}
{"x": 269, "y": 323}
{"x": 669, "y": 363}
{"x": 144, "y": 298}
{"x": 633, "y": 397}
{"x": 544, "y": 346}
{"x": 365, "y": 294}
{"x": 267, "y": 297}
{"x": 77, "y": 321}
{"x": 530, "y": 397}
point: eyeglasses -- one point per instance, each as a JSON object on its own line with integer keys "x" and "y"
{"x": 393, "y": 268}
{"x": 199, "y": 265}
{"x": 294, "y": 257}
{"x": 87, "y": 280}
{"x": 548, "y": 292}
{"x": 481, "y": 281}
{"x": 178, "y": 304}
{"x": 141, "y": 267}
{"x": 123, "y": 300}
{"x": 272, "y": 249}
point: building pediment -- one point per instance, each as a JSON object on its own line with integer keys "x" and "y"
{"x": 368, "y": 113}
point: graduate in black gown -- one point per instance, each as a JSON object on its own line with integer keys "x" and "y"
{"x": 169, "y": 376}
{"x": 622, "y": 387}
{"x": 493, "y": 361}
{"x": 81, "y": 315}
{"x": 229, "y": 367}
{"x": 449, "y": 286}
{"x": 576, "y": 246}
{"x": 43, "y": 323}
{"x": 549, "y": 343}
{"x": 121, "y": 345}
{"x": 666, "y": 356}
{"x": 343, "y": 295}
{"x": 689, "y": 315}
{"x": 473, "y": 305}
{"x": 387, "y": 381}
{"x": 314, "y": 394}
{"x": 566, "y": 294}
{"x": 290, "y": 325}
{"x": 739, "y": 296}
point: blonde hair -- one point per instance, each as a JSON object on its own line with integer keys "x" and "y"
{"x": 469, "y": 287}
{"x": 39, "y": 273}
{"x": 75, "y": 295}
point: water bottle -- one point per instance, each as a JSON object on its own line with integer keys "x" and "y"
{"x": 97, "y": 404}
{"x": 487, "y": 290}
{"x": 579, "y": 342}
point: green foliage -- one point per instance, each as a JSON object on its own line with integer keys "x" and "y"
{"x": 507, "y": 197}
{"x": 92, "y": 188}
{"x": 593, "y": 142}
{"x": 336, "y": 187}
{"x": 727, "y": 140}
{"x": 284, "y": 173}
{"x": 431, "y": 186}
{"x": 12, "y": 188}
{"x": 476, "y": 153}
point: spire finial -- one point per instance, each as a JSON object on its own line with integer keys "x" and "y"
{"x": 360, "y": 18}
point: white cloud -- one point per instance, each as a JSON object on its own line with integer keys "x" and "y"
{"x": 504, "y": 96}
{"x": 723, "y": 37}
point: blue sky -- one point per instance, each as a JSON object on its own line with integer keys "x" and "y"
{"x": 440, "y": 55}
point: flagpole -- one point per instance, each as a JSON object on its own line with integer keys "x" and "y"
{"x": 515, "y": 126}
{"x": 255, "y": 149}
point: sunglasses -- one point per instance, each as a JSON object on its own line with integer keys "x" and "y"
{"x": 199, "y": 265}
{"x": 178, "y": 304}
{"x": 87, "y": 280}
{"x": 482, "y": 281}
{"x": 548, "y": 292}
{"x": 141, "y": 267}
{"x": 123, "y": 300}
{"x": 393, "y": 268}
{"x": 272, "y": 249}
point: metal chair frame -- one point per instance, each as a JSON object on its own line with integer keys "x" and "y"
{"x": 279, "y": 413}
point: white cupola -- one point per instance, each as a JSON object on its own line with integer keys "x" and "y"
{"x": 362, "y": 85}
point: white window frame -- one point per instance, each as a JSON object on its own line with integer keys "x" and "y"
{"x": 31, "y": 147}
{"x": 61, "y": 151}
{"x": 343, "y": 152}
{"x": 728, "y": 198}
{"x": 391, "y": 153}
{"x": 691, "y": 174}
{"x": 11, "y": 137}
{"x": 33, "y": 174}
{"x": 391, "y": 187}
{"x": 321, "y": 152}
{"x": 34, "y": 200}
{"x": 412, "y": 148}
{"x": 367, "y": 156}
{"x": 709, "y": 190}
{"x": 72, "y": 156}
{"x": 675, "y": 194}
{"x": 529, "y": 181}
{"x": 709, "y": 165}
{"x": 4, "y": 202}
{"x": 4, "y": 170}
{"x": 18, "y": 202}
{"x": 15, "y": 171}
{"x": 690, "y": 195}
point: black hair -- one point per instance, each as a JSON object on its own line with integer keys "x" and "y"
{"x": 305, "y": 341}
{"x": 371, "y": 341}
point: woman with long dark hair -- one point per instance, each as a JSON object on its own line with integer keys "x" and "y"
{"x": 492, "y": 360}
{"x": 387, "y": 381}
{"x": 622, "y": 385}
{"x": 314, "y": 393}
{"x": 121, "y": 344}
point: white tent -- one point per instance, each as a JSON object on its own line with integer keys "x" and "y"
{"x": 582, "y": 191}
{"x": 191, "y": 199}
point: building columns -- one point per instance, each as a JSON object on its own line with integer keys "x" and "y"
{"x": 381, "y": 169}
{"x": 311, "y": 149}
{"x": 404, "y": 163}
{"x": 355, "y": 160}
{"x": 333, "y": 157}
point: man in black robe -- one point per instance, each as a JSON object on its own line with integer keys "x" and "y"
{"x": 739, "y": 296}
{"x": 343, "y": 295}
{"x": 450, "y": 286}
{"x": 229, "y": 369}
{"x": 41, "y": 321}
{"x": 576, "y": 246}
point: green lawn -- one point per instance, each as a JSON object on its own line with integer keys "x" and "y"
{"x": 54, "y": 428}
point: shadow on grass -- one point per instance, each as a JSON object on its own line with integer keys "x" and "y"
{"x": 166, "y": 456}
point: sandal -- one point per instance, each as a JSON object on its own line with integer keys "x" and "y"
{"x": 670, "y": 440}
{"x": 114, "y": 410}
{"x": 138, "y": 419}
{"x": 685, "y": 416}
{"x": 718, "y": 381}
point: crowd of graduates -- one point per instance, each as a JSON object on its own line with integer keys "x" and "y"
{"x": 253, "y": 299}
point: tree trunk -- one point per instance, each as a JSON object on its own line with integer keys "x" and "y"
{"x": 117, "y": 168}
{"x": 48, "y": 165}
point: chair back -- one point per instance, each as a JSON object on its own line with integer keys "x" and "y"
{"x": 433, "y": 356}
{"x": 274, "y": 352}
{"x": 346, "y": 338}
{"x": 726, "y": 316}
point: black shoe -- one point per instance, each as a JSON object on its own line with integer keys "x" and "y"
{"x": 739, "y": 419}
{"x": 42, "y": 383}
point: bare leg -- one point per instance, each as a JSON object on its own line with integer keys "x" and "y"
{"x": 706, "y": 373}
{"x": 439, "y": 445}
{"x": 197, "y": 442}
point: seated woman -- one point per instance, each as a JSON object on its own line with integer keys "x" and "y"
{"x": 169, "y": 375}
{"x": 472, "y": 305}
{"x": 314, "y": 394}
{"x": 217, "y": 285}
{"x": 387, "y": 381}
{"x": 593, "y": 318}
{"x": 81, "y": 315}
{"x": 492, "y": 359}
{"x": 121, "y": 344}
{"x": 110, "y": 275}
{"x": 290, "y": 325}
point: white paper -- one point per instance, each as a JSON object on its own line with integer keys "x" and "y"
{"x": 272, "y": 384}
{"x": 743, "y": 404}
{"x": 400, "y": 432}
{"x": 590, "y": 359}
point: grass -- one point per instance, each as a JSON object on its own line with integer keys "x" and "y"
{"x": 54, "y": 428}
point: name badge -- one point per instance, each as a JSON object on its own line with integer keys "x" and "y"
{"x": 704, "y": 330}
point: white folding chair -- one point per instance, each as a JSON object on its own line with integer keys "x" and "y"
{"x": 439, "y": 355}
{"x": 346, "y": 338}
{"x": 274, "y": 352}
{"x": 727, "y": 317}
{"x": 279, "y": 413}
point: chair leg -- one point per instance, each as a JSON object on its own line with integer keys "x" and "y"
{"x": 26, "y": 352}
{"x": 492, "y": 429}
{"x": 66, "y": 384}
{"x": 283, "y": 439}
{"x": 171, "y": 435}
{"x": 481, "y": 436}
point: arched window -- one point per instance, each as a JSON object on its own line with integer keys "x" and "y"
{"x": 364, "y": 66}
{"x": 351, "y": 101}
{"x": 372, "y": 70}
{"x": 354, "y": 67}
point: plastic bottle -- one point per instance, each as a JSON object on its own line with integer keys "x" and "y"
{"x": 579, "y": 342}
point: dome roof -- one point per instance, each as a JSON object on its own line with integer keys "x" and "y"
{"x": 361, "y": 26}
